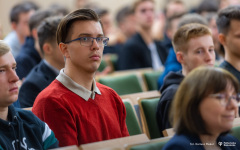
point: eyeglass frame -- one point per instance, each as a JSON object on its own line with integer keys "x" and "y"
{"x": 222, "y": 98}
{"x": 79, "y": 39}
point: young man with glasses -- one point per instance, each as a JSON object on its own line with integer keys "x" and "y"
{"x": 76, "y": 108}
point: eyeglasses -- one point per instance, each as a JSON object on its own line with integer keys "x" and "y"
{"x": 224, "y": 99}
{"x": 88, "y": 41}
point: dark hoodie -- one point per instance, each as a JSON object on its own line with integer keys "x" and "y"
{"x": 168, "y": 90}
{"x": 24, "y": 131}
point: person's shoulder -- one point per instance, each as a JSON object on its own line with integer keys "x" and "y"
{"x": 228, "y": 138}
{"x": 55, "y": 88}
{"x": 27, "y": 116}
{"x": 135, "y": 40}
{"x": 180, "y": 142}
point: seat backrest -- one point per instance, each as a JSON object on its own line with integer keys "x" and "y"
{"x": 28, "y": 108}
{"x": 142, "y": 95}
{"x": 131, "y": 118}
{"x": 168, "y": 132}
{"x": 156, "y": 144}
{"x": 115, "y": 144}
{"x": 151, "y": 79}
{"x": 148, "y": 108}
{"x": 72, "y": 147}
{"x": 236, "y": 132}
{"x": 125, "y": 84}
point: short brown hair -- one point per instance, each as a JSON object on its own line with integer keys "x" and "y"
{"x": 47, "y": 31}
{"x": 196, "y": 86}
{"x": 187, "y": 32}
{"x": 137, "y": 2}
{"x": 77, "y": 15}
{"x": 4, "y": 48}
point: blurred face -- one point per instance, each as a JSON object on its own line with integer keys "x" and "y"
{"x": 128, "y": 25}
{"x": 22, "y": 27}
{"x": 217, "y": 117}
{"x": 175, "y": 8}
{"x": 107, "y": 24}
{"x": 232, "y": 39}
{"x": 84, "y": 58}
{"x": 8, "y": 80}
{"x": 144, "y": 14}
{"x": 200, "y": 52}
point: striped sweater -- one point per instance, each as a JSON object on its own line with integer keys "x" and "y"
{"x": 24, "y": 131}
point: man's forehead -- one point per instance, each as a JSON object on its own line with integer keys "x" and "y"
{"x": 86, "y": 27}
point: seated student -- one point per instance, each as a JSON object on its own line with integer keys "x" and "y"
{"x": 86, "y": 111}
{"x": 193, "y": 45}
{"x": 171, "y": 63}
{"x": 20, "y": 129}
{"x": 203, "y": 116}
{"x": 48, "y": 69}
{"x": 228, "y": 22}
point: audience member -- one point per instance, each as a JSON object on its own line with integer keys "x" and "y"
{"x": 225, "y": 3}
{"x": 30, "y": 54}
{"x": 126, "y": 23}
{"x": 141, "y": 51}
{"x": 171, "y": 63}
{"x": 211, "y": 19}
{"x": 174, "y": 7}
{"x": 20, "y": 129}
{"x": 87, "y": 111}
{"x": 203, "y": 111}
{"x": 207, "y": 6}
{"x": 193, "y": 45}
{"x": 48, "y": 69}
{"x": 228, "y": 22}
{"x": 19, "y": 17}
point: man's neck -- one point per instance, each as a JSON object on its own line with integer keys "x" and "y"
{"x": 84, "y": 79}
{"x": 234, "y": 60}
{"x": 54, "y": 64}
{"x": 4, "y": 113}
{"x": 146, "y": 35}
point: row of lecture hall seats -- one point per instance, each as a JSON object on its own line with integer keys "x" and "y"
{"x": 145, "y": 136}
{"x": 131, "y": 81}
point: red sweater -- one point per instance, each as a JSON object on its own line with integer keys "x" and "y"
{"x": 76, "y": 121}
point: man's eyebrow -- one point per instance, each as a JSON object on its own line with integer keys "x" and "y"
{"x": 89, "y": 35}
{"x": 5, "y": 66}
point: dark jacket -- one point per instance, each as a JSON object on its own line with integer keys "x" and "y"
{"x": 168, "y": 90}
{"x": 136, "y": 54}
{"x": 191, "y": 142}
{"x": 27, "y": 58}
{"x": 39, "y": 78}
{"x": 24, "y": 130}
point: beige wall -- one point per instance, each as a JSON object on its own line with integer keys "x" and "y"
{"x": 112, "y": 5}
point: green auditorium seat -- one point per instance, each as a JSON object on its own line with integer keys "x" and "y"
{"x": 148, "y": 109}
{"x": 236, "y": 132}
{"x": 131, "y": 118}
{"x": 124, "y": 84}
{"x": 151, "y": 79}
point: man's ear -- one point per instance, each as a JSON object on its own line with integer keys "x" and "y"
{"x": 34, "y": 33}
{"x": 222, "y": 38}
{"x": 180, "y": 57}
{"x": 46, "y": 48}
{"x": 14, "y": 25}
{"x": 64, "y": 50}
